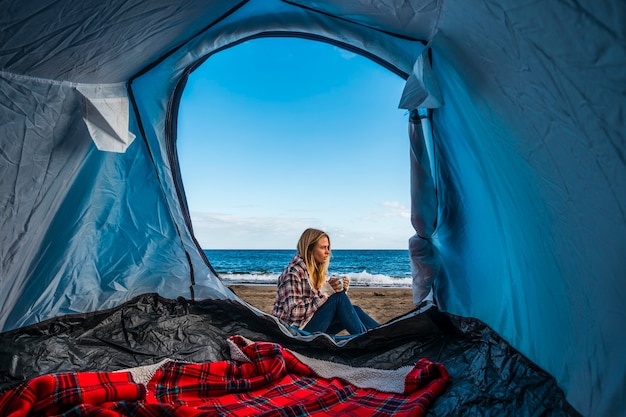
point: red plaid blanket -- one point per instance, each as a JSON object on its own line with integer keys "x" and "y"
{"x": 269, "y": 381}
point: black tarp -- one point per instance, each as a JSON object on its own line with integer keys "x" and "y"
{"x": 488, "y": 376}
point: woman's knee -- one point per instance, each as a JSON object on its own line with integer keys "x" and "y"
{"x": 341, "y": 297}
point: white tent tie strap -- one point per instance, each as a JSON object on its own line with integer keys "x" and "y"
{"x": 421, "y": 89}
{"x": 106, "y": 114}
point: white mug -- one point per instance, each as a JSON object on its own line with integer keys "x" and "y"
{"x": 338, "y": 278}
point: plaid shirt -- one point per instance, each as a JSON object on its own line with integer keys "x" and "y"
{"x": 296, "y": 300}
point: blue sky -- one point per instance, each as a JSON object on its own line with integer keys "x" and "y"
{"x": 278, "y": 134}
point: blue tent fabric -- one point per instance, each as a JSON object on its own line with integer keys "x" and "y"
{"x": 423, "y": 255}
{"x": 527, "y": 112}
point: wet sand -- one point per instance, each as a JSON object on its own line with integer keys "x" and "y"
{"x": 383, "y": 304}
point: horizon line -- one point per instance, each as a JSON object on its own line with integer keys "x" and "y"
{"x": 294, "y": 249}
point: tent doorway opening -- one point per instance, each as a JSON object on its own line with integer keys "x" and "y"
{"x": 279, "y": 134}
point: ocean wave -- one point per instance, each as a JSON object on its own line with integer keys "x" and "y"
{"x": 357, "y": 279}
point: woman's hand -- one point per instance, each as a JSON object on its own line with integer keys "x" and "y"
{"x": 337, "y": 283}
{"x": 346, "y": 283}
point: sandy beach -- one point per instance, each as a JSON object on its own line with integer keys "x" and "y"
{"x": 383, "y": 304}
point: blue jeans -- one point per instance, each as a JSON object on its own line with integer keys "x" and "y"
{"x": 338, "y": 313}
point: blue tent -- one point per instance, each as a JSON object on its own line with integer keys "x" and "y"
{"x": 518, "y": 179}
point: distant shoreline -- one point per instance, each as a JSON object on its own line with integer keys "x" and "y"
{"x": 360, "y": 286}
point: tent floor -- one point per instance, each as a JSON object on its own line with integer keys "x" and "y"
{"x": 488, "y": 376}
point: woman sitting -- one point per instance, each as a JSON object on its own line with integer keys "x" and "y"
{"x": 307, "y": 300}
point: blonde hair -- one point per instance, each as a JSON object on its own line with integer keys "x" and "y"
{"x": 306, "y": 244}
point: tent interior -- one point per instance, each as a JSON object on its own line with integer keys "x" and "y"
{"x": 518, "y": 192}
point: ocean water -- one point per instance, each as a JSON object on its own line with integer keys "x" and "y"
{"x": 365, "y": 268}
